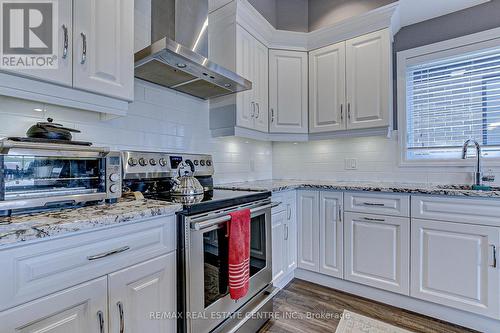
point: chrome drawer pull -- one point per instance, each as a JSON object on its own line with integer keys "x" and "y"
{"x": 373, "y": 204}
{"x": 65, "y": 49}
{"x": 100, "y": 318}
{"x": 122, "y": 317}
{"x": 372, "y": 219}
{"x": 106, "y": 254}
{"x": 84, "y": 48}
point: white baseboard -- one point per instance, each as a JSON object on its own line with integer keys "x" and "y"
{"x": 458, "y": 317}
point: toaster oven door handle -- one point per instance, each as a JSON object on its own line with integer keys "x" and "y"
{"x": 225, "y": 218}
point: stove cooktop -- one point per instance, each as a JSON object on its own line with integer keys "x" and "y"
{"x": 217, "y": 199}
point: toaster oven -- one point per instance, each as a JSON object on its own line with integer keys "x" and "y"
{"x": 38, "y": 176}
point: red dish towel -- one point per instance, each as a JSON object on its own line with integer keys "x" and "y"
{"x": 239, "y": 253}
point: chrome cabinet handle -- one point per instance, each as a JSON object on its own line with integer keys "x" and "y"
{"x": 122, "y": 317}
{"x": 341, "y": 112}
{"x": 65, "y": 49}
{"x": 349, "y": 111}
{"x": 272, "y": 115}
{"x": 252, "y": 114}
{"x": 100, "y": 318}
{"x": 373, "y": 204}
{"x": 109, "y": 253}
{"x": 494, "y": 256}
{"x": 372, "y": 219}
{"x": 84, "y": 48}
{"x": 340, "y": 213}
{"x": 258, "y": 110}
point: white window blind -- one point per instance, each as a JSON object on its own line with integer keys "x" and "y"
{"x": 452, "y": 100}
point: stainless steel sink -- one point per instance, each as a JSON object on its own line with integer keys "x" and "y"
{"x": 463, "y": 187}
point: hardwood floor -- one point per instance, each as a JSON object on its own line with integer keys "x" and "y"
{"x": 299, "y": 298}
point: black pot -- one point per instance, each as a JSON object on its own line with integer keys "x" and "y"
{"x": 50, "y": 130}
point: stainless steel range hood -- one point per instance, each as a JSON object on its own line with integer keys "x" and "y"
{"x": 168, "y": 63}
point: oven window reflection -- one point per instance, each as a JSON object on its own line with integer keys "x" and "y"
{"x": 215, "y": 255}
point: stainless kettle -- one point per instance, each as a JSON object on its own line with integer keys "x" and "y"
{"x": 185, "y": 184}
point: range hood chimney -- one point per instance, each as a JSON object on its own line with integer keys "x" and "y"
{"x": 177, "y": 57}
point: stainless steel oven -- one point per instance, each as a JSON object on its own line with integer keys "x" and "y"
{"x": 43, "y": 175}
{"x": 208, "y": 304}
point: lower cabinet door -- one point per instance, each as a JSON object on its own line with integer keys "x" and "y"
{"x": 331, "y": 236}
{"x": 137, "y": 292}
{"x": 377, "y": 251}
{"x": 308, "y": 230}
{"x": 80, "y": 309}
{"x": 279, "y": 245}
{"x": 455, "y": 264}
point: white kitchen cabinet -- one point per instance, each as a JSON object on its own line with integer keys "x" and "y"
{"x": 331, "y": 234}
{"x": 63, "y": 74}
{"x": 369, "y": 80}
{"x": 103, "y": 60}
{"x": 80, "y": 309}
{"x": 137, "y": 291}
{"x": 279, "y": 245}
{"x": 351, "y": 84}
{"x": 327, "y": 97}
{"x": 455, "y": 264}
{"x": 245, "y": 109}
{"x": 288, "y": 92}
{"x": 261, "y": 86}
{"x": 308, "y": 230}
{"x": 377, "y": 251}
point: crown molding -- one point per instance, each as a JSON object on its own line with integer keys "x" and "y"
{"x": 252, "y": 21}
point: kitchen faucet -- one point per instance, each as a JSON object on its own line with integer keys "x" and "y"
{"x": 478, "y": 177}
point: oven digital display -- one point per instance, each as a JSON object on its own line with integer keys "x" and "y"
{"x": 114, "y": 160}
{"x": 175, "y": 161}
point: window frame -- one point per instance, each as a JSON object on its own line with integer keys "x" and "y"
{"x": 449, "y": 48}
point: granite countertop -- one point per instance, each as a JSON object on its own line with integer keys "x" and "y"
{"x": 411, "y": 188}
{"x": 54, "y": 223}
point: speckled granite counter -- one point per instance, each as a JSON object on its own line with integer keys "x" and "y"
{"x": 282, "y": 185}
{"x": 34, "y": 226}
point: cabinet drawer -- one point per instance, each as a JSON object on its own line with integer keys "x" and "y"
{"x": 287, "y": 199}
{"x": 39, "y": 269}
{"x": 466, "y": 210}
{"x": 278, "y": 197}
{"x": 377, "y": 203}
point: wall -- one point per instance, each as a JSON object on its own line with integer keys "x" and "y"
{"x": 327, "y": 12}
{"x": 266, "y": 8}
{"x": 292, "y": 15}
{"x": 158, "y": 120}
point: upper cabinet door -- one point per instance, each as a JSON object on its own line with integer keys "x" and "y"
{"x": 327, "y": 106}
{"x": 63, "y": 74}
{"x": 288, "y": 91}
{"x": 244, "y": 67}
{"x": 369, "y": 80}
{"x": 104, "y": 47}
{"x": 261, "y": 86}
{"x": 454, "y": 264}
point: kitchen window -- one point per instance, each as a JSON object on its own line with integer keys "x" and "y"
{"x": 447, "y": 93}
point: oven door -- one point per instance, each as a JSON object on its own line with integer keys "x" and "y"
{"x": 209, "y": 303}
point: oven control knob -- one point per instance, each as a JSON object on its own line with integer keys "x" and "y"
{"x": 202, "y": 163}
{"x": 162, "y": 162}
{"x": 132, "y": 161}
{"x": 209, "y": 163}
{"x": 196, "y": 162}
{"x": 143, "y": 162}
{"x": 152, "y": 161}
{"x": 113, "y": 188}
{"x": 114, "y": 177}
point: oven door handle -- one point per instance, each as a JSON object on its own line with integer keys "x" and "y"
{"x": 218, "y": 220}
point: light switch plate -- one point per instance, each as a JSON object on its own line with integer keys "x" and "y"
{"x": 351, "y": 164}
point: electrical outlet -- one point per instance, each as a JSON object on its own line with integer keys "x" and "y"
{"x": 351, "y": 164}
